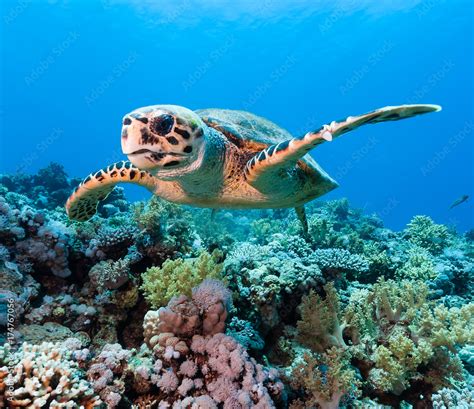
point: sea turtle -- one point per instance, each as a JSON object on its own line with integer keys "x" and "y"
{"x": 219, "y": 158}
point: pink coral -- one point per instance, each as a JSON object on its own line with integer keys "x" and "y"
{"x": 211, "y": 366}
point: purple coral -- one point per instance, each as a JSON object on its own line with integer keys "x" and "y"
{"x": 112, "y": 360}
{"x": 205, "y": 313}
{"x": 211, "y": 366}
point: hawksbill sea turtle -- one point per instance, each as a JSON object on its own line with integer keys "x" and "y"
{"x": 218, "y": 158}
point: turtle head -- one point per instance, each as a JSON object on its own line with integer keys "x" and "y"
{"x": 166, "y": 140}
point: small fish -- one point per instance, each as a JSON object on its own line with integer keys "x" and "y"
{"x": 462, "y": 199}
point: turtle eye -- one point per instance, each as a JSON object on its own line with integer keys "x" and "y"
{"x": 162, "y": 124}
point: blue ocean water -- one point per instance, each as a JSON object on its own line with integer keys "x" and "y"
{"x": 71, "y": 69}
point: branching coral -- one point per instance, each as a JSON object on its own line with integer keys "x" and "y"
{"x": 423, "y": 232}
{"x": 336, "y": 261}
{"x": 179, "y": 276}
{"x": 44, "y": 376}
{"x": 112, "y": 242}
{"x": 109, "y": 364}
{"x": 273, "y": 277}
{"x": 320, "y": 326}
{"x": 195, "y": 363}
{"x": 325, "y": 379}
{"x": 418, "y": 266}
{"x": 451, "y": 398}
{"x": 110, "y": 274}
{"x": 394, "y": 334}
{"x": 334, "y": 224}
{"x": 394, "y": 341}
{"x": 164, "y": 221}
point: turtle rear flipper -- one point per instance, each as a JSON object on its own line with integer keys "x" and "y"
{"x": 285, "y": 154}
{"x": 83, "y": 202}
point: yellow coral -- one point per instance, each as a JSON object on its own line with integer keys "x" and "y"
{"x": 448, "y": 326}
{"x": 398, "y": 362}
{"x": 398, "y": 301}
{"x": 176, "y": 277}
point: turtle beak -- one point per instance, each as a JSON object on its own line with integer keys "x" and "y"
{"x": 131, "y": 132}
{"x": 143, "y": 156}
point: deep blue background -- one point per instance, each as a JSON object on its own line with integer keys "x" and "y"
{"x": 71, "y": 69}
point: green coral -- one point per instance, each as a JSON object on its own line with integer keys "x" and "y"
{"x": 325, "y": 378}
{"x": 393, "y": 332}
{"x": 163, "y": 220}
{"x": 176, "y": 277}
{"x": 335, "y": 225}
{"x": 263, "y": 229}
{"x": 423, "y": 232}
{"x": 380, "y": 262}
{"x": 320, "y": 326}
{"x": 418, "y": 266}
{"x": 397, "y": 363}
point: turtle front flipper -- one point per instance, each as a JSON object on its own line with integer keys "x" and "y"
{"x": 286, "y": 154}
{"x": 83, "y": 202}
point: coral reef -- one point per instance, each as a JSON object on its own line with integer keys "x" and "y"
{"x": 163, "y": 306}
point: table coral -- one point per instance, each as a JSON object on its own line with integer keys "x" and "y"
{"x": 333, "y": 262}
{"x": 112, "y": 242}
